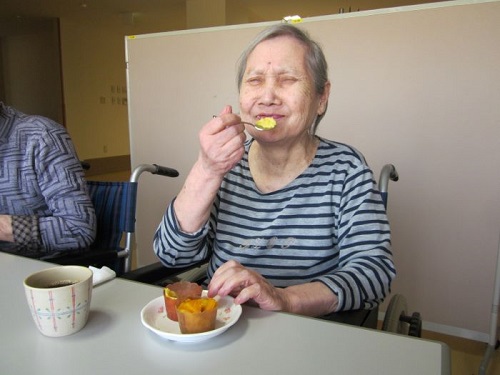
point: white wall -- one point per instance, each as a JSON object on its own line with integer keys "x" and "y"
{"x": 416, "y": 86}
{"x": 95, "y": 80}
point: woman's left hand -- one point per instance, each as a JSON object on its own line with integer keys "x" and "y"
{"x": 246, "y": 285}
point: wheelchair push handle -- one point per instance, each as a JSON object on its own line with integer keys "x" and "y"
{"x": 165, "y": 171}
{"x": 388, "y": 172}
{"x": 153, "y": 169}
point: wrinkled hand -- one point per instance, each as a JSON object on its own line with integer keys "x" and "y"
{"x": 246, "y": 285}
{"x": 6, "y": 228}
{"x": 221, "y": 143}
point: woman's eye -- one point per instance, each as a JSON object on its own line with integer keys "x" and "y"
{"x": 287, "y": 79}
{"x": 254, "y": 80}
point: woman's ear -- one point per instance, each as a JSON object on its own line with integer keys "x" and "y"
{"x": 323, "y": 101}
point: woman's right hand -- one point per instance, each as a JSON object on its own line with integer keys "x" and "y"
{"x": 221, "y": 148}
{"x": 221, "y": 143}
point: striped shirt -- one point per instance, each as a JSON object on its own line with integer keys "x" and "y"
{"x": 42, "y": 187}
{"x": 328, "y": 225}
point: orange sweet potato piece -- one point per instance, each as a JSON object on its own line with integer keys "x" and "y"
{"x": 197, "y": 315}
{"x": 175, "y": 293}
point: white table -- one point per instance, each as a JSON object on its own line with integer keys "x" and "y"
{"x": 114, "y": 340}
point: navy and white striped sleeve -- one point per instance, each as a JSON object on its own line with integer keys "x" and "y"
{"x": 365, "y": 269}
{"x": 175, "y": 248}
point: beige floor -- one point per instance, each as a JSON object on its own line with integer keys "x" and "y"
{"x": 466, "y": 355}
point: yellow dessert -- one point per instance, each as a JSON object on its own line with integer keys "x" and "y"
{"x": 266, "y": 123}
{"x": 197, "y": 315}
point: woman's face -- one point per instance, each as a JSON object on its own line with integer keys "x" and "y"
{"x": 276, "y": 84}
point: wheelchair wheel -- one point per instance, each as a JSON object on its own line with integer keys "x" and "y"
{"x": 395, "y": 311}
{"x": 415, "y": 329}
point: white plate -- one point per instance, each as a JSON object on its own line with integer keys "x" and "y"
{"x": 154, "y": 317}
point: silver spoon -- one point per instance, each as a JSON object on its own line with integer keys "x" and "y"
{"x": 254, "y": 125}
{"x": 267, "y": 123}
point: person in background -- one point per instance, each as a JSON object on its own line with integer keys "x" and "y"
{"x": 44, "y": 205}
{"x": 289, "y": 221}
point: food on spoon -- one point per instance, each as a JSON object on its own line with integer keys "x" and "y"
{"x": 266, "y": 123}
{"x": 175, "y": 293}
{"x": 197, "y": 315}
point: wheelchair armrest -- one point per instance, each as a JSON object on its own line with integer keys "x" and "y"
{"x": 156, "y": 272}
{"x": 367, "y": 318}
{"x": 87, "y": 258}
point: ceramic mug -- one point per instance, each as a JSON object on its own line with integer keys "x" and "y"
{"x": 59, "y": 299}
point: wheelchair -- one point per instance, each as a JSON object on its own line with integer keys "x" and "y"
{"x": 115, "y": 208}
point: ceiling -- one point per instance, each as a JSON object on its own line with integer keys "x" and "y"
{"x": 17, "y": 16}
{"x": 21, "y": 16}
{"x": 68, "y": 8}
{"x": 265, "y": 9}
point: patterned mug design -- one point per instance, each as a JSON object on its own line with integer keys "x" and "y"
{"x": 60, "y": 310}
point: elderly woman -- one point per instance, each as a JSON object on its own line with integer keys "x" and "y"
{"x": 290, "y": 221}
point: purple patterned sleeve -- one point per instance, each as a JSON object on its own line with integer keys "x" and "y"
{"x": 42, "y": 187}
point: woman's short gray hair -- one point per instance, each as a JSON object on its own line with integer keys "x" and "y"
{"x": 315, "y": 58}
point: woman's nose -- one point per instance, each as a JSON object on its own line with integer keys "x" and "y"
{"x": 269, "y": 93}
